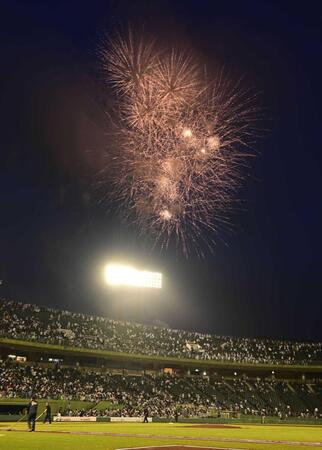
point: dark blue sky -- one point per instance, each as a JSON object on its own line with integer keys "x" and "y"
{"x": 264, "y": 279}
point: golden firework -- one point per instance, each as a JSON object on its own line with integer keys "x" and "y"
{"x": 179, "y": 140}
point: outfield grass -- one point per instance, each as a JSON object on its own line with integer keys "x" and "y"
{"x": 152, "y": 435}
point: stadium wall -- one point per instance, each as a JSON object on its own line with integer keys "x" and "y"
{"x": 55, "y": 406}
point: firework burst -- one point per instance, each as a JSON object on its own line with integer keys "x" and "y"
{"x": 179, "y": 140}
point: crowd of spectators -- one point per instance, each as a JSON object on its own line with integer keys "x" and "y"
{"x": 35, "y": 323}
{"x": 163, "y": 395}
{"x": 31, "y": 322}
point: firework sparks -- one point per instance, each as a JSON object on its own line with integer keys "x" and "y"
{"x": 179, "y": 139}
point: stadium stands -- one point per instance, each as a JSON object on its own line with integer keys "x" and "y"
{"x": 161, "y": 394}
{"x": 39, "y": 324}
{"x": 251, "y": 392}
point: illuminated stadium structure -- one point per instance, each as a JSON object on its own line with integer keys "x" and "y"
{"x": 114, "y": 368}
{"x": 120, "y": 275}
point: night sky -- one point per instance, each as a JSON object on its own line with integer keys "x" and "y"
{"x": 264, "y": 277}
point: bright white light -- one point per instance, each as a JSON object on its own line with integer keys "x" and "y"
{"x": 129, "y": 276}
{"x": 186, "y": 133}
{"x": 165, "y": 214}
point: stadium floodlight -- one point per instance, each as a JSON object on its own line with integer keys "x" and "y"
{"x": 129, "y": 276}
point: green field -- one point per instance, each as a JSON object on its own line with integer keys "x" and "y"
{"x": 104, "y": 436}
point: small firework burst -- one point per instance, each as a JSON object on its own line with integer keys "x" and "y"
{"x": 180, "y": 139}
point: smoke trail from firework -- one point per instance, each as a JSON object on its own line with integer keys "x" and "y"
{"x": 179, "y": 139}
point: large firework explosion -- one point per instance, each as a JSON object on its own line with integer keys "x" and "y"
{"x": 179, "y": 140}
